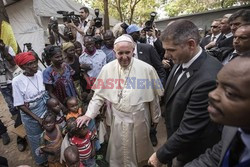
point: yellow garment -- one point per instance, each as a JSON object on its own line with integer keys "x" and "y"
{"x": 7, "y": 36}
{"x": 67, "y": 45}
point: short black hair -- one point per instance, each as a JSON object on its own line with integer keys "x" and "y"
{"x": 49, "y": 114}
{"x": 180, "y": 31}
{"x": 71, "y": 155}
{"x": 86, "y": 10}
{"x": 243, "y": 14}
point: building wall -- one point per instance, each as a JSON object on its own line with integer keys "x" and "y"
{"x": 201, "y": 20}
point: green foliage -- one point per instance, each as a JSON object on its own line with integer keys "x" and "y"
{"x": 180, "y": 7}
{"x": 130, "y": 11}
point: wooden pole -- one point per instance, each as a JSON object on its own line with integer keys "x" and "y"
{"x": 106, "y": 15}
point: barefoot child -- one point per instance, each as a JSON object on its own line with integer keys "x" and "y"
{"x": 51, "y": 139}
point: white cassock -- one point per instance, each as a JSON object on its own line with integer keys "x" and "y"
{"x": 132, "y": 111}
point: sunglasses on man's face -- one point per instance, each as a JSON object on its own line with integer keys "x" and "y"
{"x": 214, "y": 26}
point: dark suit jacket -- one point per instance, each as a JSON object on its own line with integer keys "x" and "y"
{"x": 206, "y": 40}
{"x": 228, "y": 42}
{"x": 158, "y": 47}
{"x": 189, "y": 128}
{"x": 148, "y": 54}
{"x": 214, "y": 157}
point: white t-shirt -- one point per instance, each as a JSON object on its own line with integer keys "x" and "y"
{"x": 79, "y": 37}
{"x": 27, "y": 89}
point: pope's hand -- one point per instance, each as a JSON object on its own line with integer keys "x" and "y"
{"x": 153, "y": 161}
{"x": 82, "y": 120}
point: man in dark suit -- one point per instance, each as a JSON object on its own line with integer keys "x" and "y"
{"x": 146, "y": 52}
{"x": 227, "y": 36}
{"x": 193, "y": 76}
{"x": 236, "y": 20}
{"x": 210, "y": 41}
{"x": 229, "y": 105}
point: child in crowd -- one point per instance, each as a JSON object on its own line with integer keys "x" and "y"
{"x": 72, "y": 158}
{"x": 51, "y": 139}
{"x": 53, "y": 105}
{"x": 84, "y": 139}
{"x": 73, "y": 108}
{"x": 75, "y": 111}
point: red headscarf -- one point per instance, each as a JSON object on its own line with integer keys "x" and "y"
{"x": 23, "y": 58}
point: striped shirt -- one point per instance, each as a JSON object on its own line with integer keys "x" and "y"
{"x": 84, "y": 145}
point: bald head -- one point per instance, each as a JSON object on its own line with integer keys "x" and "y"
{"x": 238, "y": 68}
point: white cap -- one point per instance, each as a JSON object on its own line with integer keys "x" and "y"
{"x": 124, "y": 38}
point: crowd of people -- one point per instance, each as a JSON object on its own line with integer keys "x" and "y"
{"x": 98, "y": 101}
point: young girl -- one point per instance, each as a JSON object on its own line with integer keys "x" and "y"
{"x": 30, "y": 97}
{"x": 73, "y": 108}
{"x": 53, "y": 105}
{"x": 84, "y": 139}
{"x": 51, "y": 140}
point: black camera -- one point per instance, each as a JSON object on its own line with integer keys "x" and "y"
{"x": 149, "y": 23}
{"x": 124, "y": 26}
{"x": 28, "y": 46}
{"x": 53, "y": 24}
{"x": 69, "y": 16}
{"x": 97, "y": 20}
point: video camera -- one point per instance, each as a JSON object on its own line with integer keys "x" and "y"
{"x": 97, "y": 20}
{"x": 69, "y": 16}
{"x": 149, "y": 23}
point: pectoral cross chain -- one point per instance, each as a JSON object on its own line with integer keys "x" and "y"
{"x": 120, "y": 96}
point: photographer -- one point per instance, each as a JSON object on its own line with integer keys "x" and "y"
{"x": 56, "y": 35}
{"x": 83, "y": 26}
{"x": 152, "y": 35}
{"x": 69, "y": 31}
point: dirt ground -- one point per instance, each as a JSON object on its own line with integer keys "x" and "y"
{"x": 16, "y": 158}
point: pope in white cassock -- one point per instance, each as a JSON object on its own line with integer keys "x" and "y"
{"x": 133, "y": 88}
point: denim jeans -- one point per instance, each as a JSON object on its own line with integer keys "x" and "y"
{"x": 92, "y": 128}
{"x": 89, "y": 162}
{"x": 33, "y": 128}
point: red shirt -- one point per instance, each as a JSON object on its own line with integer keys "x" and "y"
{"x": 84, "y": 145}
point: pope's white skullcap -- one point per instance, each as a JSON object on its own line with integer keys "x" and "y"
{"x": 124, "y": 38}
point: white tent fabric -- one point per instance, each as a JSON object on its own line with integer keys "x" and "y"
{"x": 29, "y": 19}
{"x": 26, "y": 25}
